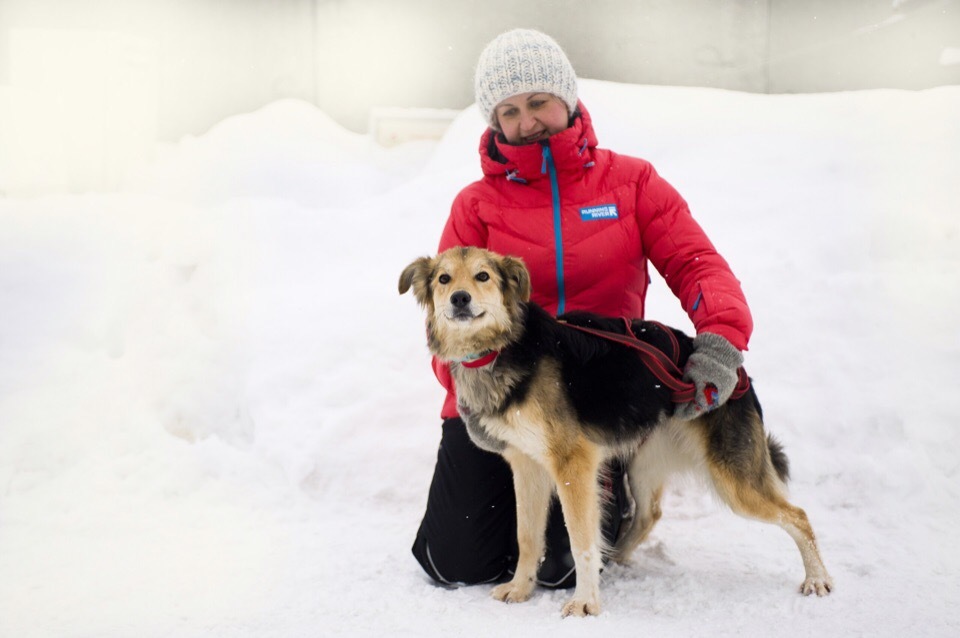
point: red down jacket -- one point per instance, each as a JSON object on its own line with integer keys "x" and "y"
{"x": 586, "y": 221}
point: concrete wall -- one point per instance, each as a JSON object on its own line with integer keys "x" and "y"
{"x": 205, "y": 58}
{"x": 838, "y": 45}
{"x": 422, "y": 52}
{"x": 210, "y": 58}
{"x": 104, "y": 79}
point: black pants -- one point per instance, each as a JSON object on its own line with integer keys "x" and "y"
{"x": 469, "y": 531}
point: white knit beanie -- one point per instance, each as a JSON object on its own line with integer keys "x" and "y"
{"x": 523, "y": 61}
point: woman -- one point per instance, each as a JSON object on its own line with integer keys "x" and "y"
{"x": 587, "y": 222}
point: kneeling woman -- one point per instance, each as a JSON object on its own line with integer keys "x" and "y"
{"x": 586, "y": 221}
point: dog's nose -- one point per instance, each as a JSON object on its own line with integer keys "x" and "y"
{"x": 460, "y": 298}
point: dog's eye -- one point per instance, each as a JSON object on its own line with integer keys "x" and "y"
{"x": 444, "y": 279}
{"x": 482, "y": 276}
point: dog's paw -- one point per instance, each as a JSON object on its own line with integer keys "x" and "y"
{"x": 581, "y": 607}
{"x": 819, "y": 585}
{"x": 513, "y": 592}
{"x": 620, "y": 557}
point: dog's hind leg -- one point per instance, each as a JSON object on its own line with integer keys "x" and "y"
{"x": 646, "y": 516}
{"x": 646, "y": 487}
{"x": 534, "y": 488}
{"x": 575, "y": 469}
{"x": 767, "y": 504}
{"x": 750, "y": 484}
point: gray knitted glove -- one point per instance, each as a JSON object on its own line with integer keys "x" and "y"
{"x": 712, "y": 368}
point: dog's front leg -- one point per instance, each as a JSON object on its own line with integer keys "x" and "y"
{"x": 533, "y": 488}
{"x": 575, "y": 470}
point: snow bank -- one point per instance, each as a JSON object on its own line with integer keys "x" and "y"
{"x": 217, "y": 416}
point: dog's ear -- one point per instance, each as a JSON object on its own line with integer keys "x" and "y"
{"x": 516, "y": 277}
{"x": 417, "y": 275}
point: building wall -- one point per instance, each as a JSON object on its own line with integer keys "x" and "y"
{"x": 102, "y": 80}
{"x": 205, "y": 58}
{"x": 422, "y": 52}
{"x": 842, "y": 45}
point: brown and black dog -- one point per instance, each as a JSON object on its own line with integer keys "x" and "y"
{"x": 556, "y": 403}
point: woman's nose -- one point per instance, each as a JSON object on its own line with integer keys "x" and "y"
{"x": 527, "y": 121}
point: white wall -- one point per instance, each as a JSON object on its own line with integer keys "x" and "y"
{"x": 87, "y": 86}
{"x": 422, "y": 52}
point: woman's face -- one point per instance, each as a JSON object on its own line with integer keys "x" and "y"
{"x": 531, "y": 117}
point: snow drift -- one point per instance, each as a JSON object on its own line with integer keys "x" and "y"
{"x": 217, "y": 416}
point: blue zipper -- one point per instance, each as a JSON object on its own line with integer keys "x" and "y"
{"x": 557, "y": 230}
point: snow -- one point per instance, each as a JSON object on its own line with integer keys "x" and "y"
{"x": 217, "y": 416}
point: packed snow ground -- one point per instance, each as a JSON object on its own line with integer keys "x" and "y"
{"x": 217, "y": 416}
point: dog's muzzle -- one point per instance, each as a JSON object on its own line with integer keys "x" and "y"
{"x": 461, "y": 308}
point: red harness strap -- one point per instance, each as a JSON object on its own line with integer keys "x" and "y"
{"x": 665, "y": 368}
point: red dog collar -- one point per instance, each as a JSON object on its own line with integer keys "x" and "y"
{"x": 481, "y": 361}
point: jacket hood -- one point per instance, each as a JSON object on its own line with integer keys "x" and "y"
{"x": 572, "y": 150}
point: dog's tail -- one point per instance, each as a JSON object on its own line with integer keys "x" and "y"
{"x": 779, "y": 458}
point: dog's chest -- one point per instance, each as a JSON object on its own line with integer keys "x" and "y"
{"x": 518, "y": 429}
{"x": 486, "y": 391}
{"x": 509, "y": 405}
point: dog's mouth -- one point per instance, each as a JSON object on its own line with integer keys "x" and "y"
{"x": 462, "y": 315}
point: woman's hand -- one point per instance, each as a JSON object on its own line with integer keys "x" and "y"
{"x": 712, "y": 368}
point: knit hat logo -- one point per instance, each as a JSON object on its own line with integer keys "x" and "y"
{"x": 523, "y": 61}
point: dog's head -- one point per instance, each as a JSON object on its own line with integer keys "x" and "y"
{"x": 474, "y": 299}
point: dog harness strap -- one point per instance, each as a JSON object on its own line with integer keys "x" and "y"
{"x": 743, "y": 383}
{"x": 674, "y": 344}
{"x": 663, "y": 367}
{"x": 673, "y": 341}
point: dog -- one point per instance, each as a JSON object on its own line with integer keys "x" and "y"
{"x": 557, "y": 402}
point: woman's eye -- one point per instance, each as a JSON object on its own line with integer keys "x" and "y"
{"x": 444, "y": 279}
{"x": 482, "y": 276}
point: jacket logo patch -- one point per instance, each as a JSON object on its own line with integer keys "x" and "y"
{"x": 593, "y": 213}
